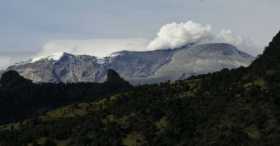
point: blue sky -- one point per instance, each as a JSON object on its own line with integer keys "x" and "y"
{"x": 27, "y": 25}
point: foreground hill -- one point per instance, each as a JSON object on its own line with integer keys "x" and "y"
{"x": 230, "y": 107}
{"x": 20, "y": 98}
{"x": 136, "y": 67}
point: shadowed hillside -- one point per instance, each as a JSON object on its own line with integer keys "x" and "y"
{"x": 20, "y": 98}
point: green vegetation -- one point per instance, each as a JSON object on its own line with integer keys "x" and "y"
{"x": 133, "y": 139}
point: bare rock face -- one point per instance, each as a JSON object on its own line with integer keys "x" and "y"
{"x": 203, "y": 59}
{"x": 137, "y": 67}
{"x": 40, "y": 71}
{"x": 71, "y": 68}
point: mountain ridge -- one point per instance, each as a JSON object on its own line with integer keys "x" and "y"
{"x": 136, "y": 67}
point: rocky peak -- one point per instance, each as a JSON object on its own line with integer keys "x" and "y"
{"x": 138, "y": 67}
{"x": 66, "y": 56}
{"x": 114, "y": 78}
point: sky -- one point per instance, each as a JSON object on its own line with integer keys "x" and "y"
{"x": 30, "y": 28}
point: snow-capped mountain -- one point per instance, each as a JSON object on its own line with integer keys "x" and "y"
{"x": 136, "y": 67}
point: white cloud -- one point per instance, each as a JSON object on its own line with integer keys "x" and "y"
{"x": 228, "y": 37}
{"x": 95, "y": 47}
{"x": 176, "y": 35}
{"x": 244, "y": 44}
{"x": 10, "y": 58}
{"x": 5, "y": 61}
{"x": 170, "y": 36}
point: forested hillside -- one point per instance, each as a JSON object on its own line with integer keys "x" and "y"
{"x": 230, "y": 107}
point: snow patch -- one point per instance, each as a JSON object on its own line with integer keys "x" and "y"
{"x": 54, "y": 56}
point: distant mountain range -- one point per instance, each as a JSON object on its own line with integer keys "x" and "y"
{"x": 136, "y": 67}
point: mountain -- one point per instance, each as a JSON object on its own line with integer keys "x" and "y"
{"x": 231, "y": 107}
{"x": 136, "y": 67}
{"x": 202, "y": 59}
